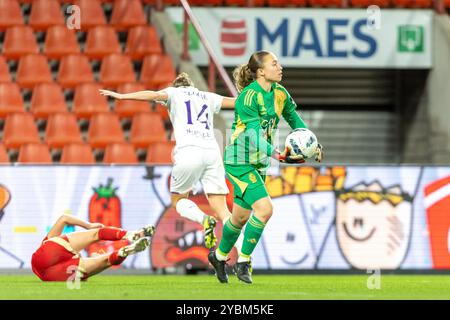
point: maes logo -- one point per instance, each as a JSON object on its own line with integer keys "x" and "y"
{"x": 341, "y": 33}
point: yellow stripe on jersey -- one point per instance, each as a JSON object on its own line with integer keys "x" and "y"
{"x": 280, "y": 99}
{"x": 240, "y": 127}
{"x": 249, "y": 97}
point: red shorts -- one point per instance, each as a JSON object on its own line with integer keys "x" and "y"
{"x": 55, "y": 260}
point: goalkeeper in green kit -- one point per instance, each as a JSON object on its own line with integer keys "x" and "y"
{"x": 258, "y": 108}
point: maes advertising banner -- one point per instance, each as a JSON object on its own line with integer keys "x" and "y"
{"x": 312, "y": 38}
{"x": 324, "y": 217}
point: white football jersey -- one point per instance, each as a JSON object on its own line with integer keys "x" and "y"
{"x": 191, "y": 112}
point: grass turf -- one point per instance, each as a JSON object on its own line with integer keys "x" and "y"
{"x": 203, "y": 287}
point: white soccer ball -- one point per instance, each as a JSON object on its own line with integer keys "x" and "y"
{"x": 303, "y": 142}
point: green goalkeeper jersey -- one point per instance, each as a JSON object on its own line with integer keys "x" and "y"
{"x": 256, "y": 116}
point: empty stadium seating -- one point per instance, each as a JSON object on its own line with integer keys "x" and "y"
{"x": 142, "y": 41}
{"x": 77, "y": 153}
{"x": 10, "y": 14}
{"x": 19, "y": 129}
{"x": 88, "y": 101}
{"x": 128, "y": 108}
{"x": 47, "y": 99}
{"x": 160, "y": 153}
{"x": 19, "y": 41}
{"x": 93, "y": 14}
{"x": 11, "y": 99}
{"x": 74, "y": 70}
{"x": 146, "y": 128}
{"x": 33, "y": 69}
{"x": 116, "y": 69}
{"x": 157, "y": 71}
{"x": 127, "y": 14}
{"x": 120, "y": 153}
{"x": 104, "y": 129}
{"x": 44, "y": 14}
{"x": 101, "y": 41}
{"x": 60, "y": 41}
{"x": 62, "y": 128}
{"x": 34, "y": 153}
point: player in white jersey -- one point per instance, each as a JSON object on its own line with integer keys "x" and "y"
{"x": 197, "y": 155}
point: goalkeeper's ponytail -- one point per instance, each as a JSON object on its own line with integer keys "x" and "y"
{"x": 247, "y": 73}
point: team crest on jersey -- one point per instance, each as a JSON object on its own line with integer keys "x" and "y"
{"x": 252, "y": 177}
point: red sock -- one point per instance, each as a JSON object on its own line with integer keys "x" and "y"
{"x": 114, "y": 258}
{"x": 111, "y": 233}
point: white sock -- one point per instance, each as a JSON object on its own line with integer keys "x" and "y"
{"x": 189, "y": 210}
{"x": 243, "y": 258}
{"x": 239, "y": 242}
{"x": 220, "y": 256}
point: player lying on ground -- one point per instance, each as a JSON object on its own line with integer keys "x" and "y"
{"x": 197, "y": 155}
{"x": 58, "y": 256}
{"x": 258, "y": 108}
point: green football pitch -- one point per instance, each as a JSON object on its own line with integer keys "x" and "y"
{"x": 206, "y": 287}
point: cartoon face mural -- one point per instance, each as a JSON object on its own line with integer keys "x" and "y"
{"x": 177, "y": 242}
{"x": 373, "y": 225}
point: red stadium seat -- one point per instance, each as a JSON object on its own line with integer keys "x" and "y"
{"x": 206, "y": 3}
{"x": 162, "y": 111}
{"x": 33, "y": 69}
{"x": 325, "y": 3}
{"x": 62, "y": 128}
{"x": 92, "y": 14}
{"x": 116, "y": 69}
{"x": 367, "y": 3}
{"x": 34, "y": 153}
{"x": 101, "y": 41}
{"x": 19, "y": 129}
{"x": 104, "y": 129}
{"x": 157, "y": 70}
{"x": 19, "y": 41}
{"x": 88, "y": 101}
{"x": 11, "y": 99}
{"x": 48, "y": 98}
{"x": 74, "y": 70}
{"x": 10, "y": 14}
{"x": 447, "y": 3}
{"x": 287, "y": 3}
{"x": 128, "y": 108}
{"x": 412, "y": 3}
{"x": 5, "y": 76}
{"x": 244, "y": 3}
{"x": 77, "y": 153}
{"x": 142, "y": 41}
{"x": 146, "y": 128}
{"x": 60, "y": 41}
{"x": 160, "y": 153}
{"x": 127, "y": 14}
{"x": 121, "y": 153}
{"x": 4, "y": 158}
{"x": 44, "y": 14}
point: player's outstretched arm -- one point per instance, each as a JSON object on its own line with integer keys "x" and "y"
{"x": 228, "y": 103}
{"x": 67, "y": 219}
{"x": 139, "y": 95}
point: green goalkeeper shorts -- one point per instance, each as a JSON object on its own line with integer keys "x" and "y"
{"x": 248, "y": 184}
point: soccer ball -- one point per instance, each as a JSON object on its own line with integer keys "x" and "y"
{"x": 302, "y": 142}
